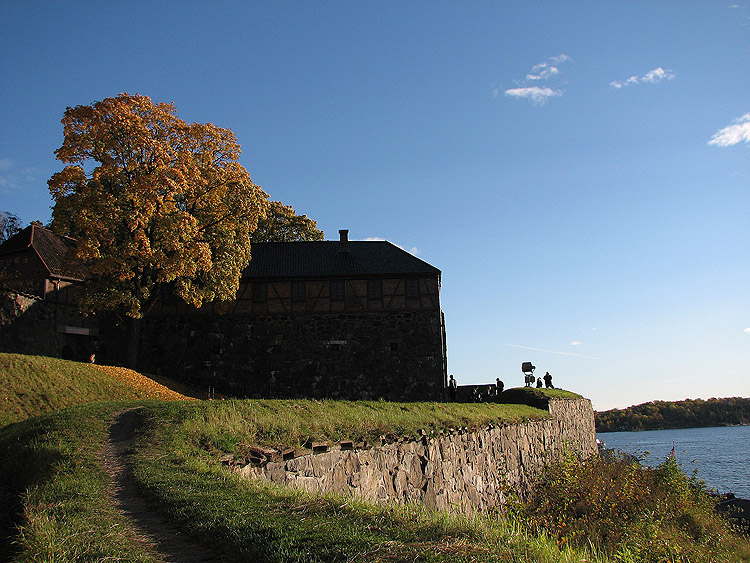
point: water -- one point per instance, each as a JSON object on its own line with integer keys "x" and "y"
{"x": 720, "y": 455}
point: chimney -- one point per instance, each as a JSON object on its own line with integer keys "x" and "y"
{"x": 343, "y": 240}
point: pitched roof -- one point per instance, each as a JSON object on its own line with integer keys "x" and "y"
{"x": 50, "y": 247}
{"x": 329, "y": 259}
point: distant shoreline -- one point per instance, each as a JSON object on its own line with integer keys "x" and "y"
{"x": 676, "y": 415}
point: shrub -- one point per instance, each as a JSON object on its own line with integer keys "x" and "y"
{"x": 630, "y": 512}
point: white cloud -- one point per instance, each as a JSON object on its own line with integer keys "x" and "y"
{"x": 575, "y": 343}
{"x": 537, "y": 95}
{"x": 747, "y": 330}
{"x": 651, "y": 77}
{"x": 545, "y": 70}
{"x": 733, "y": 134}
{"x": 561, "y": 58}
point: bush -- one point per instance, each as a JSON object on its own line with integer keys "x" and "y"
{"x": 631, "y": 512}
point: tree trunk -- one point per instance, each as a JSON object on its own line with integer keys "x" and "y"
{"x": 133, "y": 333}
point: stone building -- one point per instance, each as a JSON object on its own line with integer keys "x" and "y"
{"x": 338, "y": 319}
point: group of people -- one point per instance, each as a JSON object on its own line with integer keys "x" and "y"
{"x": 529, "y": 380}
{"x": 476, "y": 393}
{"x": 494, "y": 391}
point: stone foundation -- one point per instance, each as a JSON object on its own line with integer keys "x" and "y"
{"x": 395, "y": 356}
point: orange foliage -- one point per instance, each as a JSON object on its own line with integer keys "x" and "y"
{"x": 153, "y": 202}
{"x": 138, "y": 382}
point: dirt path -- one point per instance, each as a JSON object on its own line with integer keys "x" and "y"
{"x": 150, "y": 526}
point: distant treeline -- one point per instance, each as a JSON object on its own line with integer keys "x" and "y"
{"x": 662, "y": 415}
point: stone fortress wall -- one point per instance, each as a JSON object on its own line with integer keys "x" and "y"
{"x": 467, "y": 471}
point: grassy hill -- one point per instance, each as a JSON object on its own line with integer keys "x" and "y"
{"x": 57, "y": 499}
{"x": 34, "y": 385}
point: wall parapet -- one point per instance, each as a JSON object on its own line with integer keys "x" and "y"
{"x": 465, "y": 471}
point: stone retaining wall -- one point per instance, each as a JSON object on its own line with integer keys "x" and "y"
{"x": 464, "y": 471}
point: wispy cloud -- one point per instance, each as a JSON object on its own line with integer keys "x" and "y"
{"x": 14, "y": 177}
{"x": 543, "y": 72}
{"x": 651, "y": 77}
{"x": 575, "y": 343}
{"x": 733, "y": 134}
{"x": 561, "y": 58}
{"x": 747, "y": 330}
{"x": 550, "y": 351}
{"x": 537, "y": 95}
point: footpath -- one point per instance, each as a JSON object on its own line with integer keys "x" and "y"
{"x": 149, "y": 526}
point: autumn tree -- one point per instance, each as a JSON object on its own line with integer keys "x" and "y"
{"x": 280, "y": 223}
{"x": 153, "y": 202}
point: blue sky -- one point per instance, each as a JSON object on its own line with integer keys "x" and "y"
{"x": 580, "y": 173}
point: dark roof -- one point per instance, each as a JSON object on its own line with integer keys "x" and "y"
{"x": 51, "y": 248}
{"x": 326, "y": 259}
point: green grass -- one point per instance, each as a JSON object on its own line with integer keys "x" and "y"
{"x": 34, "y": 385}
{"x": 53, "y": 488}
{"x": 250, "y": 521}
{"x": 222, "y": 425}
{"x": 57, "y": 505}
{"x": 65, "y": 514}
{"x": 535, "y": 395}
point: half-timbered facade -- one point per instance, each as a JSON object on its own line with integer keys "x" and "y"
{"x": 341, "y": 319}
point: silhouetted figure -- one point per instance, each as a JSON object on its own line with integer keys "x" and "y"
{"x": 499, "y": 386}
{"x": 490, "y": 392}
{"x": 548, "y": 381}
{"x": 476, "y": 396}
{"x": 452, "y": 389}
{"x": 538, "y": 382}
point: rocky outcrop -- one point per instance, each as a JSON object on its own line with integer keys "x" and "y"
{"x": 462, "y": 470}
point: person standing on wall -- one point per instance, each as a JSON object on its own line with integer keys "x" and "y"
{"x": 548, "y": 381}
{"x": 452, "y": 389}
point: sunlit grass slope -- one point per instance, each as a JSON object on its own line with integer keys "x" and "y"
{"x": 33, "y": 385}
{"x": 51, "y": 472}
{"x": 221, "y": 425}
{"x": 62, "y": 509}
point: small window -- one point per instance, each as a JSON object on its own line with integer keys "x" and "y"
{"x": 412, "y": 287}
{"x": 374, "y": 289}
{"x": 298, "y": 291}
{"x": 337, "y": 290}
{"x": 260, "y": 292}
